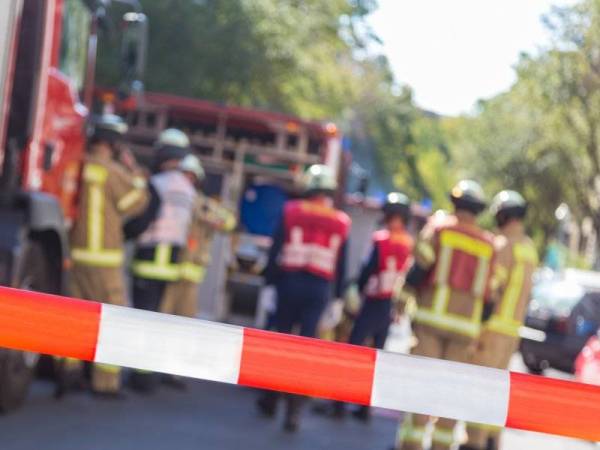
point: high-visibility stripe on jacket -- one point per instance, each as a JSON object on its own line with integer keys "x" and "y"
{"x": 509, "y": 314}
{"x": 194, "y": 273}
{"x": 162, "y": 266}
{"x": 107, "y": 196}
{"x": 314, "y": 235}
{"x": 463, "y": 263}
{"x": 394, "y": 253}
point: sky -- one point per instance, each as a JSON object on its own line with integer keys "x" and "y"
{"x": 454, "y": 52}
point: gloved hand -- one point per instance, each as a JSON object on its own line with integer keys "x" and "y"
{"x": 352, "y": 300}
{"x": 416, "y": 276}
{"x": 332, "y": 315}
{"x": 487, "y": 311}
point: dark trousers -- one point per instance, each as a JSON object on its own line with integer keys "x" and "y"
{"x": 373, "y": 320}
{"x": 147, "y": 294}
{"x": 301, "y": 300}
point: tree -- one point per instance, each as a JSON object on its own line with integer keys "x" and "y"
{"x": 408, "y": 144}
{"x": 287, "y": 55}
{"x": 542, "y": 136}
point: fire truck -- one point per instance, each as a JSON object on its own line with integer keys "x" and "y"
{"x": 47, "y": 65}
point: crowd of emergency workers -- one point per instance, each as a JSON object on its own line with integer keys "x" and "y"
{"x": 464, "y": 289}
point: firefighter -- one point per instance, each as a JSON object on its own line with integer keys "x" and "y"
{"x": 109, "y": 194}
{"x": 451, "y": 274}
{"x": 389, "y": 260}
{"x": 516, "y": 261}
{"x": 156, "y": 257}
{"x": 181, "y": 297}
{"x": 306, "y": 261}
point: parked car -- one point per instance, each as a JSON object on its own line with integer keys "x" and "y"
{"x": 563, "y": 314}
{"x": 587, "y": 365}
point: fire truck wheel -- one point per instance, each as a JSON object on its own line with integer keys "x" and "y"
{"x": 17, "y": 368}
{"x": 16, "y": 372}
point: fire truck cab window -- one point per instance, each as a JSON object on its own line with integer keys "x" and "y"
{"x": 74, "y": 42}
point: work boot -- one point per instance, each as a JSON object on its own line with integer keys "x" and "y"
{"x": 292, "y": 414}
{"x": 69, "y": 377}
{"x": 267, "y": 403}
{"x": 362, "y": 413}
{"x": 492, "y": 443}
{"x": 335, "y": 410}
{"x": 142, "y": 382}
{"x": 110, "y": 395}
{"x": 291, "y": 424}
{"x": 174, "y": 382}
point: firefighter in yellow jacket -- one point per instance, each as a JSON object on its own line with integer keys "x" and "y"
{"x": 181, "y": 296}
{"x": 109, "y": 195}
{"x": 516, "y": 261}
{"x": 451, "y": 274}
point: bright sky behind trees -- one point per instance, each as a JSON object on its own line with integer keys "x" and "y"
{"x": 453, "y": 52}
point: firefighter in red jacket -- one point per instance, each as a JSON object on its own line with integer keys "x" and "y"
{"x": 306, "y": 261}
{"x": 453, "y": 266}
{"x": 389, "y": 260}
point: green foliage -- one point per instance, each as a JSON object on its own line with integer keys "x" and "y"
{"x": 410, "y": 146}
{"x": 287, "y": 55}
{"x": 541, "y": 137}
{"x": 307, "y": 57}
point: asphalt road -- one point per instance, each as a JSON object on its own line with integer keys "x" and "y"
{"x": 210, "y": 416}
{"x": 207, "y": 416}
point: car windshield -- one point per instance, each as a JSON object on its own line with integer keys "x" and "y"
{"x": 557, "y": 296}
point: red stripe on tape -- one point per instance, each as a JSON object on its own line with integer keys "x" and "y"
{"x": 49, "y": 324}
{"x": 554, "y": 406}
{"x": 307, "y": 366}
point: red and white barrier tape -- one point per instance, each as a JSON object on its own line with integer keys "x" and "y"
{"x": 211, "y": 351}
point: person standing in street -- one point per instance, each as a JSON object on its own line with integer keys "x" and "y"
{"x": 156, "y": 256}
{"x": 110, "y": 193}
{"x": 389, "y": 260}
{"x": 516, "y": 261}
{"x": 209, "y": 217}
{"x": 306, "y": 262}
{"x": 454, "y": 261}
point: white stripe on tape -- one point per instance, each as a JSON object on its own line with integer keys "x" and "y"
{"x": 170, "y": 344}
{"x": 441, "y": 388}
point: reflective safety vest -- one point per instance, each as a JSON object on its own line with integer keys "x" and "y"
{"x": 157, "y": 263}
{"x": 314, "y": 235}
{"x": 394, "y": 252}
{"x": 171, "y": 225}
{"x": 101, "y": 213}
{"x": 463, "y": 262}
{"x": 508, "y": 317}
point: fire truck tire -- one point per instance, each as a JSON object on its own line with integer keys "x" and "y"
{"x": 17, "y": 368}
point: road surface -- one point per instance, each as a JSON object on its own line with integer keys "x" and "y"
{"x": 207, "y": 416}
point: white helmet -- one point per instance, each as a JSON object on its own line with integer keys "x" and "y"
{"x": 172, "y": 137}
{"x": 320, "y": 177}
{"x": 192, "y": 164}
